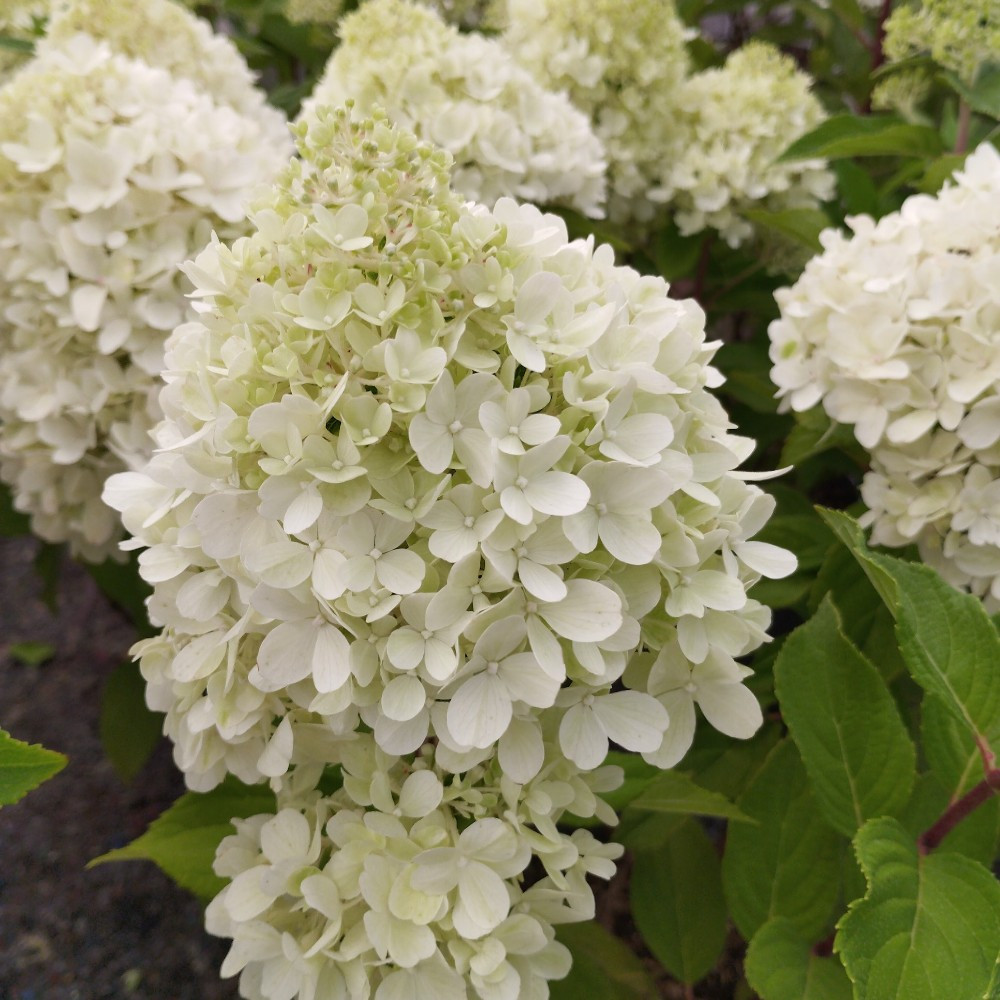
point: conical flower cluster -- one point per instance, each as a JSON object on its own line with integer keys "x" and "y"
{"x": 442, "y": 498}
{"x": 113, "y": 170}
{"x": 894, "y": 331}
{"x": 508, "y": 135}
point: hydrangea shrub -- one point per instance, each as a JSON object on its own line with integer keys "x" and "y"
{"x": 508, "y": 135}
{"x": 433, "y": 473}
{"x": 893, "y": 331}
{"x": 112, "y": 171}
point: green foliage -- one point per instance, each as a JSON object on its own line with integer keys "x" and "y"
{"x": 674, "y": 792}
{"x": 855, "y": 748}
{"x": 129, "y": 730}
{"x": 677, "y": 901}
{"x": 928, "y": 927}
{"x": 948, "y": 641}
{"x": 785, "y": 865}
{"x": 879, "y": 135}
{"x": 781, "y": 964}
{"x": 31, "y": 653}
{"x": 24, "y": 766}
{"x": 182, "y": 841}
{"x": 604, "y": 968}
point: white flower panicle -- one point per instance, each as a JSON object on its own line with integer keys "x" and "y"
{"x": 436, "y": 471}
{"x": 410, "y": 882}
{"x": 622, "y": 62}
{"x": 111, "y": 173}
{"x": 441, "y": 498}
{"x": 508, "y": 135}
{"x": 733, "y": 123}
{"x": 894, "y": 330}
{"x": 162, "y": 33}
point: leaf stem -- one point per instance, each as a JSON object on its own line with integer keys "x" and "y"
{"x": 958, "y": 810}
{"x": 964, "y": 123}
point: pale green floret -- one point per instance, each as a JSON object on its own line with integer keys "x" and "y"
{"x": 960, "y": 35}
{"x": 622, "y": 62}
{"x": 509, "y": 136}
{"x": 734, "y": 122}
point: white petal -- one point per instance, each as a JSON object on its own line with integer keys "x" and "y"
{"x": 400, "y": 571}
{"x": 286, "y": 837}
{"x": 480, "y": 711}
{"x": 402, "y": 698}
{"x": 590, "y": 612}
{"x": 483, "y": 901}
{"x": 730, "y": 708}
{"x": 421, "y": 794}
{"x": 331, "y": 659}
{"x": 582, "y": 739}
{"x": 557, "y": 493}
{"x": 766, "y": 559}
{"x": 522, "y": 751}
{"x": 679, "y": 736}
{"x": 285, "y": 656}
{"x": 633, "y": 540}
{"x": 634, "y": 720}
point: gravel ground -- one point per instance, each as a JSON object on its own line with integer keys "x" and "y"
{"x": 120, "y": 930}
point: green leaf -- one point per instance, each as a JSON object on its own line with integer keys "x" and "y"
{"x": 780, "y": 965}
{"x": 813, "y": 434}
{"x": 182, "y": 841}
{"x": 129, "y": 730}
{"x": 804, "y": 534}
{"x": 802, "y": 225}
{"x": 677, "y": 902}
{"x": 948, "y": 641}
{"x": 31, "y": 653}
{"x": 24, "y": 766}
{"x": 604, "y": 968}
{"x": 675, "y": 792}
{"x": 124, "y": 587}
{"x": 855, "y": 748}
{"x": 928, "y": 927}
{"x": 984, "y": 95}
{"x": 873, "y": 135}
{"x": 12, "y": 522}
{"x": 940, "y": 170}
{"x": 788, "y": 864}
{"x": 951, "y": 750}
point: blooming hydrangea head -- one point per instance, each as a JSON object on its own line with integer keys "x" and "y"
{"x": 894, "y": 330}
{"x": 622, "y": 62}
{"x": 508, "y": 135}
{"x": 111, "y": 173}
{"x": 410, "y": 882}
{"x": 734, "y": 123}
{"x": 434, "y": 470}
{"x": 162, "y": 33}
{"x": 960, "y": 35}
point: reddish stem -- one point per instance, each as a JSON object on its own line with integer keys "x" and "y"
{"x": 964, "y": 123}
{"x": 958, "y": 810}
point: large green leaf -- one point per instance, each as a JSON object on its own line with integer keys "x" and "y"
{"x": 24, "y": 766}
{"x": 677, "y": 902}
{"x": 855, "y": 748}
{"x": 129, "y": 730}
{"x": 949, "y": 643}
{"x": 803, "y": 225}
{"x": 950, "y": 749}
{"x": 874, "y": 135}
{"x": 788, "y": 864}
{"x": 928, "y": 927}
{"x": 675, "y": 792}
{"x": 781, "y": 965}
{"x": 182, "y": 841}
{"x": 604, "y": 968}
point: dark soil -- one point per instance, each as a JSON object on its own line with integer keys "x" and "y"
{"x": 120, "y": 930}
